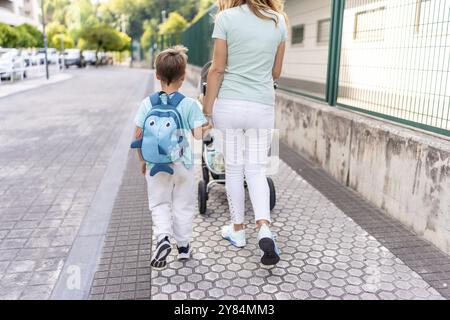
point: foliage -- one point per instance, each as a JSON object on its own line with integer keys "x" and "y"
{"x": 54, "y": 29}
{"x": 25, "y": 40}
{"x": 150, "y": 31}
{"x": 174, "y": 24}
{"x": 8, "y": 36}
{"x": 139, "y": 11}
{"x": 104, "y": 38}
{"x": 56, "y": 41}
{"x": 23, "y": 36}
{"x": 36, "y": 40}
{"x": 203, "y": 7}
{"x": 140, "y": 19}
{"x": 55, "y": 10}
{"x": 125, "y": 42}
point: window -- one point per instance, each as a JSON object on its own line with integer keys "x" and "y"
{"x": 323, "y": 31}
{"x": 369, "y": 25}
{"x": 298, "y": 34}
{"x": 6, "y": 4}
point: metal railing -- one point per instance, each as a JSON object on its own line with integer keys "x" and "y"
{"x": 386, "y": 58}
{"x": 197, "y": 38}
{"x": 395, "y": 61}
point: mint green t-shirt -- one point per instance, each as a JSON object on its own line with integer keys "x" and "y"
{"x": 191, "y": 115}
{"x": 252, "y": 46}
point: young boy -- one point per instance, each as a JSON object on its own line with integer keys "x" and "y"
{"x": 171, "y": 197}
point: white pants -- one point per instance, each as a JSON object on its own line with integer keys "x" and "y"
{"x": 246, "y": 129}
{"x": 171, "y": 200}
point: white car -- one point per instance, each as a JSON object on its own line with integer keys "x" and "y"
{"x": 12, "y": 64}
{"x": 52, "y": 56}
{"x": 40, "y": 55}
{"x": 35, "y": 59}
{"x": 73, "y": 57}
{"x": 90, "y": 57}
{"x": 26, "y": 56}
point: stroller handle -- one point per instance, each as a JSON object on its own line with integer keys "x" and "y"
{"x": 208, "y": 140}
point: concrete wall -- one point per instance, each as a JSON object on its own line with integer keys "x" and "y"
{"x": 403, "y": 171}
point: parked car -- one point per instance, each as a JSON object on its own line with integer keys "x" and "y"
{"x": 41, "y": 56}
{"x": 26, "y": 56}
{"x": 73, "y": 57}
{"x": 52, "y": 56}
{"x": 90, "y": 57}
{"x": 12, "y": 64}
{"x": 35, "y": 59}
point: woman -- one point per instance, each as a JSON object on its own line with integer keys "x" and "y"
{"x": 249, "y": 48}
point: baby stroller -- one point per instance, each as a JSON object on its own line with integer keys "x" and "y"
{"x": 213, "y": 165}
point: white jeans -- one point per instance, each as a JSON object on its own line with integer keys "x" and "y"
{"x": 171, "y": 200}
{"x": 246, "y": 129}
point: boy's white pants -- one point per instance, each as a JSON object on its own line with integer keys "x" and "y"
{"x": 171, "y": 200}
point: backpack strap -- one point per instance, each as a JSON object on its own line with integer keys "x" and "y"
{"x": 155, "y": 99}
{"x": 176, "y": 99}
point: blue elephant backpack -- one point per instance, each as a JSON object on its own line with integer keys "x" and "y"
{"x": 163, "y": 139}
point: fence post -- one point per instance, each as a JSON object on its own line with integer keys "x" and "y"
{"x": 334, "y": 51}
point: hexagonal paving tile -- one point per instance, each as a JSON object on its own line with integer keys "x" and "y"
{"x": 325, "y": 255}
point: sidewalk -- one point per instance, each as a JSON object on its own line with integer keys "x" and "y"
{"x": 58, "y": 150}
{"x": 7, "y": 88}
{"x": 325, "y": 253}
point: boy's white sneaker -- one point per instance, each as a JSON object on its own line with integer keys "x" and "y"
{"x": 184, "y": 252}
{"x": 162, "y": 251}
{"x": 270, "y": 253}
{"x": 236, "y": 238}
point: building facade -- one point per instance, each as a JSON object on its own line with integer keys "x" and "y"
{"x": 17, "y": 12}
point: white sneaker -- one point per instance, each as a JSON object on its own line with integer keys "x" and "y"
{"x": 184, "y": 252}
{"x": 236, "y": 238}
{"x": 270, "y": 253}
{"x": 162, "y": 251}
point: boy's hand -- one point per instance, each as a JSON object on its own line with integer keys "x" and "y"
{"x": 143, "y": 168}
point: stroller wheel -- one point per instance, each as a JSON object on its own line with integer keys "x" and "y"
{"x": 205, "y": 173}
{"x": 202, "y": 197}
{"x": 273, "y": 195}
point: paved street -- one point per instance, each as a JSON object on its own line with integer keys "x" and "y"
{"x": 61, "y": 152}
{"x": 56, "y": 143}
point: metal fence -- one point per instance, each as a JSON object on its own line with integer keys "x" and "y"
{"x": 197, "y": 38}
{"x": 395, "y": 60}
{"x": 387, "y": 58}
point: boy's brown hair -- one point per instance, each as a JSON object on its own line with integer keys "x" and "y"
{"x": 171, "y": 64}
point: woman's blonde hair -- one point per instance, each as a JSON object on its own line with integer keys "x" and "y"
{"x": 263, "y": 9}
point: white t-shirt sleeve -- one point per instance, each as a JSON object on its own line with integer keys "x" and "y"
{"x": 220, "y": 30}
{"x": 144, "y": 108}
{"x": 283, "y": 28}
